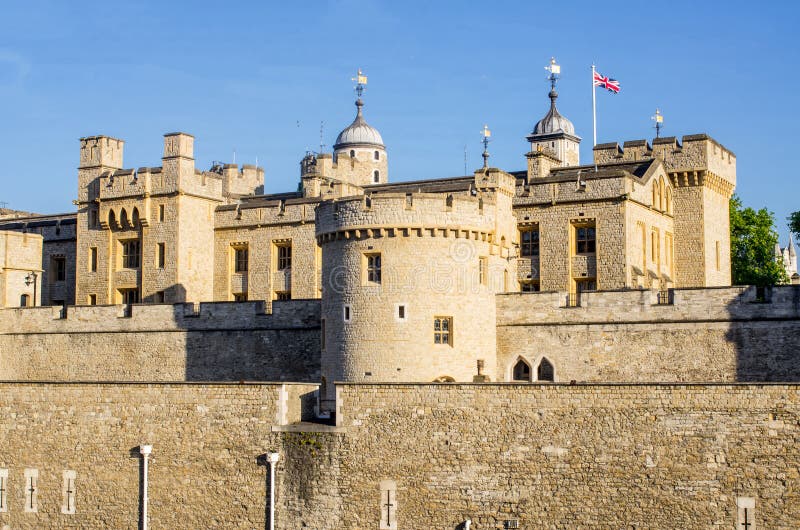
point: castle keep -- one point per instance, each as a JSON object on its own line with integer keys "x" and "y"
{"x": 554, "y": 346}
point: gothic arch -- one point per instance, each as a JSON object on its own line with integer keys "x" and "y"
{"x": 521, "y": 370}
{"x": 545, "y": 370}
{"x": 135, "y": 217}
{"x": 512, "y": 368}
{"x": 112, "y": 219}
{"x": 123, "y": 219}
{"x": 662, "y": 206}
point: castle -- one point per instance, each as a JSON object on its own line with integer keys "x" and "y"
{"x": 138, "y": 320}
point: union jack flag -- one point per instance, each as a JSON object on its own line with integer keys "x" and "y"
{"x": 612, "y": 85}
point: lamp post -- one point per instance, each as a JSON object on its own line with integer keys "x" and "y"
{"x": 31, "y": 279}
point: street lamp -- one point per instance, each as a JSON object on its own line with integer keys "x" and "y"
{"x": 31, "y": 279}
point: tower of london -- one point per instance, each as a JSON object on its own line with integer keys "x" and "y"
{"x": 552, "y": 344}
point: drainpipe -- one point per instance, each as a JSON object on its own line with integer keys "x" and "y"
{"x": 272, "y": 458}
{"x": 145, "y": 451}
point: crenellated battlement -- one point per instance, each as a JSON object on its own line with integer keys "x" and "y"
{"x": 694, "y": 153}
{"x": 265, "y": 211}
{"x": 439, "y": 214}
{"x": 101, "y": 151}
{"x": 160, "y": 317}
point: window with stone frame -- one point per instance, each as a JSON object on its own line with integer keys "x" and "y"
{"x": 585, "y": 284}
{"x": 93, "y": 259}
{"x": 161, "y": 255}
{"x": 585, "y": 239}
{"x": 131, "y": 254}
{"x": 241, "y": 258}
{"x": 240, "y": 297}
{"x": 284, "y": 255}
{"x": 443, "y": 330}
{"x": 59, "y": 268}
{"x": 545, "y": 371}
{"x": 373, "y": 268}
{"x": 283, "y": 295}
{"x": 521, "y": 371}
{"x": 529, "y": 241}
{"x": 129, "y": 296}
{"x": 483, "y": 270}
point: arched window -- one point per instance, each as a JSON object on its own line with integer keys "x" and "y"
{"x": 352, "y": 153}
{"x": 545, "y": 370}
{"x": 377, "y": 155}
{"x": 135, "y": 217}
{"x": 112, "y": 219}
{"x": 376, "y": 176}
{"x": 662, "y": 206}
{"x": 444, "y": 379}
{"x": 522, "y": 371}
{"x": 25, "y": 300}
{"x": 123, "y": 219}
{"x": 655, "y": 195}
{"x": 669, "y": 200}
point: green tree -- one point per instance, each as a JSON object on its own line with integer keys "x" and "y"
{"x": 794, "y": 223}
{"x": 753, "y": 239}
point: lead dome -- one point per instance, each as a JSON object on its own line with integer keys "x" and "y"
{"x": 359, "y": 133}
{"x": 553, "y": 121}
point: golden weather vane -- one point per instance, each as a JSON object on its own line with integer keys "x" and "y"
{"x": 361, "y": 82}
{"x": 658, "y": 118}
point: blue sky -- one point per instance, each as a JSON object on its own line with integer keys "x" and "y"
{"x": 259, "y": 77}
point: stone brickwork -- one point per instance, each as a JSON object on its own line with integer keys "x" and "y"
{"x": 203, "y": 471}
{"x": 561, "y": 456}
{"x": 182, "y": 342}
{"x": 58, "y": 246}
{"x": 20, "y": 254}
{"x": 719, "y": 334}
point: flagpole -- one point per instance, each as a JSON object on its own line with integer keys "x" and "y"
{"x": 594, "y": 110}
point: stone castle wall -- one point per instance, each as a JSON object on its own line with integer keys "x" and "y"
{"x": 719, "y": 334}
{"x": 563, "y": 456}
{"x": 203, "y": 472}
{"x": 181, "y": 342}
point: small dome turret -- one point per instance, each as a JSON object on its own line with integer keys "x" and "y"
{"x": 553, "y": 121}
{"x": 359, "y": 133}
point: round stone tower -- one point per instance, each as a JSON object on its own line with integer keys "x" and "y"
{"x": 408, "y": 287}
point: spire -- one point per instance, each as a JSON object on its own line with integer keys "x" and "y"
{"x": 359, "y": 133}
{"x": 485, "y": 133}
{"x": 790, "y": 246}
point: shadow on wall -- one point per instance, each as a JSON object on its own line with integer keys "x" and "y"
{"x": 765, "y": 333}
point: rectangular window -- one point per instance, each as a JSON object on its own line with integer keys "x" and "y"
{"x": 93, "y": 259}
{"x": 161, "y": 255}
{"x": 655, "y": 246}
{"x": 240, "y": 259}
{"x": 529, "y": 286}
{"x": 346, "y": 313}
{"x": 718, "y": 255}
{"x": 443, "y": 330}
{"x": 240, "y": 297}
{"x": 322, "y": 334}
{"x": 284, "y": 257}
{"x": 129, "y": 296}
{"x": 585, "y": 239}
{"x": 68, "y": 493}
{"x": 373, "y": 268}
{"x": 159, "y": 297}
{"x": 589, "y": 284}
{"x": 59, "y": 268}
{"x": 160, "y": 213}
{"x": 3, "y": 490}
{"x": 283, "y": 295}
{"x": 529, "y": 242}
{"x": 401, "y": 312}
{"x": 92, "y": 299}
{"x": 93, "y": 218}
{"x": 131, "y": 254}
{"x": 483, "y": 270}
